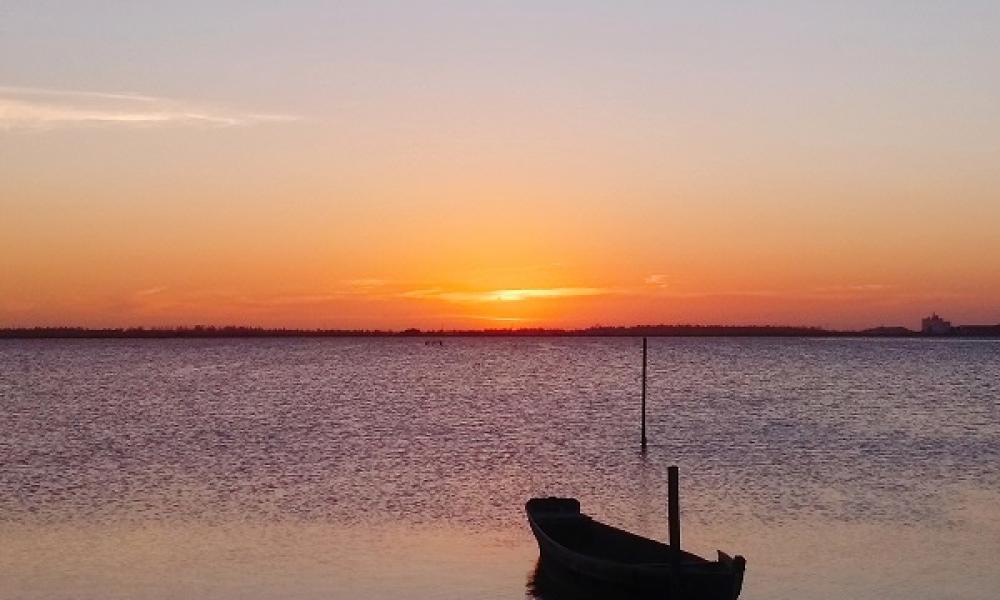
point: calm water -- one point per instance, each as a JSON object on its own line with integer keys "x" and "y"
{"x": 389, "y": 469}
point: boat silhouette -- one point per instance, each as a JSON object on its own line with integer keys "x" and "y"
{"x": 593, "y": 559}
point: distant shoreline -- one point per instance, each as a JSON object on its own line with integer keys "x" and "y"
{"x": 964, "y": 331}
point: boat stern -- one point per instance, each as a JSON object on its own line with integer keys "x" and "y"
{"x": 552, "y": 507}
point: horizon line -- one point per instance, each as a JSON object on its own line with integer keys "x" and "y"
{"x": 657, "y": 330}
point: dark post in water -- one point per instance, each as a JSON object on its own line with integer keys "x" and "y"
{"x": 674, "y": 510}
{"x": 643, "y": 441}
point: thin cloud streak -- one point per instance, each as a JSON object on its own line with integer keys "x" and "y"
{"x": 15, "y": 90}
{"x": 150, "y": 291}
{"x": 856, "y": 287}
{"x": 37, "y": 108}
{"x": 507, "y": 295}
{"x": 657, "y": 280}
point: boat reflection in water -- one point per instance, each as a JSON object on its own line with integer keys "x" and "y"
{"x": 543, "y": 585}
{"x": 547, "y": 582}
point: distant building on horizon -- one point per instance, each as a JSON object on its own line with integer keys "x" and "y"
{"x": 935, "y": 325}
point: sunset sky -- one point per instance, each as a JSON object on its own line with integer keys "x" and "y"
{"x": 499, "y": 164}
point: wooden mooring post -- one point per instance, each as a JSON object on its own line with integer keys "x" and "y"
{"x": 674, "y": 512}
{"x": 643, "y": 439}
{"x": 674, "y": 522}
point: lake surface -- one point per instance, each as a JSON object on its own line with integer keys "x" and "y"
{"x": 386, "y": 468}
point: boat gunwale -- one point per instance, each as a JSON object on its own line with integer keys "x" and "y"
{"x": 700, "y": 566}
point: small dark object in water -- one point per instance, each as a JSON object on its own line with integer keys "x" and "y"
{"x": 578, "y": 550}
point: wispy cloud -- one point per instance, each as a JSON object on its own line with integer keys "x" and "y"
{"x": 37, "y": 108}
{"x": 657, "y": 280}
{"x": 507, "y": 295}
{"x": 150, "y": 291}
{"x": 719, "y": 293}
{"x": 366, "y": 283}
{"x": 855, "y": 287}
{"x": 496, "y": 319}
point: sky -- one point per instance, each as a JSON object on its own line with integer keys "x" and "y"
{"x": 498, "y": 164}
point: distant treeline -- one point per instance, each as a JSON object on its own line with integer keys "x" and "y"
{"x": 596, "y": 331}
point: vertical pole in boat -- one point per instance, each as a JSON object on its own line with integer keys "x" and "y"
{"x": 674, "y": 517}
{"x": 643, "y": 441}
{"x": 674, "y": 513}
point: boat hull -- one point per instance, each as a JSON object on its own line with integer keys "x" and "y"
{"x": 588, "y": 555}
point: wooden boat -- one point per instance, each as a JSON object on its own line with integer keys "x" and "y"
{"x": 610, "y": 562}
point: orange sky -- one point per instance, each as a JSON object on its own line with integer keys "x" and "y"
{"x": 503, "y": 166}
